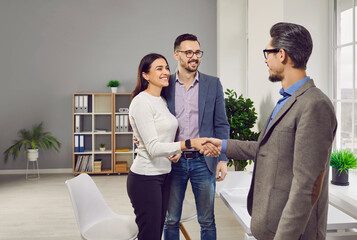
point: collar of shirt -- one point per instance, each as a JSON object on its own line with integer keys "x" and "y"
{"x": 292, "y": 89}
{"x": 195, "y": 80}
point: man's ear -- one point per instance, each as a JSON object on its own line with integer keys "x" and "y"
{"x": 176, "y": 55}
{"x": 284, "y": 57}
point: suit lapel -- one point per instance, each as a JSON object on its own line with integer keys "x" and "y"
{"x": 202, "y": 93}
{"x": 288, "y": 105}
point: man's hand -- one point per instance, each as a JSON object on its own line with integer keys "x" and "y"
{"x": 221, "y": 171}
{"x": 211, "y": 146}
{"x": 210, "y": 149}
{"x": 136, "y": 141}
{"x": 175, "y": 158}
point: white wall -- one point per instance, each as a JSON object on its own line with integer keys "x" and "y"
{"x": 50, "y": 49}
{"x": 232, "y": 44}
{"x": 314, "y": 15}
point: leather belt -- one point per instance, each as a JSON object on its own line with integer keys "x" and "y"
{"x": 191, "y": 154}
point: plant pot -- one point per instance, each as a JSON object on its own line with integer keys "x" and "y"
{"x": 339, "y": 179}
{"x": 32, "y": 154}
{"x": 114, "y": 89}
{"x": 102, "y": 149}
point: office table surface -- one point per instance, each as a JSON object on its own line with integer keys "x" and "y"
{"x": 345, "y": 197}
{"x": 234, "y": 190}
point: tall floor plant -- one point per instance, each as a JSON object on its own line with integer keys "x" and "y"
{"x": 241, "y": 118}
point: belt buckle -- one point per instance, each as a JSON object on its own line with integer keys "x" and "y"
{"x": 186, "y": 153}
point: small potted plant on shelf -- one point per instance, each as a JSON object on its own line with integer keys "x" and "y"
{"x": 102, "y": 147}
{"x": 32, "y": 141}
{"x": 341, "y": 161}
{"x": 113, "y": 84}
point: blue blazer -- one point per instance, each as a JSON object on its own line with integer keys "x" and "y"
{"x": 212, "y": 118}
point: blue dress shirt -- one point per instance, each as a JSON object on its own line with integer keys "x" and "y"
{"x": 286, "y": 95}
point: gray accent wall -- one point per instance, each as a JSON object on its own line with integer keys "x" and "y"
{"x": 50, "y": 49}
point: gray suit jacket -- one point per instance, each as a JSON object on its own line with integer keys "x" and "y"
{"x": 288, "y": 197}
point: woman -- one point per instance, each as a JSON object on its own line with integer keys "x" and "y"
{"x": 155, "y": 128}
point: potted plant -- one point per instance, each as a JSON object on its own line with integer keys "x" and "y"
{"x": 102, "y": 147}
{"x": 241, "y": 117}
{"x": 113, "y": 84}
{"x": 31, "y": 141}
{"x": 341, "y": 161}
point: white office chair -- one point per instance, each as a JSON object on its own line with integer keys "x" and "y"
{"x": 94, "y": 217}
{"x": 188, "y": 213}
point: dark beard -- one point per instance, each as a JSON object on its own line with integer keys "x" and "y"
{"x": 190, "y": 69}
{"x": 275, "y": 78}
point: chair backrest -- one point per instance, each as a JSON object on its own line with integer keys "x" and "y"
{"x": 88, "y": 203}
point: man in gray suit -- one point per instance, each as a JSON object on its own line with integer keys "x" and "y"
{"x": 288, "y": 197}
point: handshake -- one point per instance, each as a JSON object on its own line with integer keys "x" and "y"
{"x": 210, "y": 147}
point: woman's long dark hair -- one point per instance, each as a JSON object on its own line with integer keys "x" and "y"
{"x": 144, "y": 66}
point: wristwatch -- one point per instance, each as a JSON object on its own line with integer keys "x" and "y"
{"x": 188, "y": 143}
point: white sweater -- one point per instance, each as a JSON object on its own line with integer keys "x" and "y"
{"x": 155, "y": 128}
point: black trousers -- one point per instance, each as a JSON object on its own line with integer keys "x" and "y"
{"x": 149, "y": 196}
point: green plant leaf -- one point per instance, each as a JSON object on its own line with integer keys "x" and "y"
{"x": 35, "y": 138}
{"x": 241, "y": 117}
{"x": 343, "y": 160}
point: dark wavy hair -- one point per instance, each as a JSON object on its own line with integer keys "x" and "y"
{"x": 295, "y": 40}
{"x": 144, "y": 66}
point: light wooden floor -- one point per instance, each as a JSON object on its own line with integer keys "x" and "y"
{"x": 41, "y": 209}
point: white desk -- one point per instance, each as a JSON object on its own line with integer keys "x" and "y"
{"x": 345, "y": 197}
{"x": 234, "y": 190}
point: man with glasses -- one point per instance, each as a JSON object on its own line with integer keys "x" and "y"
{"x": 197, "y": 101}
{"x": 288, "y": 196}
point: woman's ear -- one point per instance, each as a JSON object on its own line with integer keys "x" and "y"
{"x": 145, "y": 76}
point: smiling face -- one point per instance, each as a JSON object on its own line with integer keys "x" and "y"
{"x": 189, "y": 64}
{"x": 159, "y": 74}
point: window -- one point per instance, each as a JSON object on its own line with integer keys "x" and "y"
{"x": 345, "y": 69}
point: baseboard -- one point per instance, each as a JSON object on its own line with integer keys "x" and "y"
{"x": 42, "y": 171}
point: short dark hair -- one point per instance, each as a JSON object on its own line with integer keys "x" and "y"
{"x": 184, "y": 37}
{"x": 295, "y": 40}
{"x": 144, "y": 66}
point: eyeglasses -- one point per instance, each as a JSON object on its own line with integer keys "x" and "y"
{"x": 189, "y": 53}
{"x": 266, "y": 51}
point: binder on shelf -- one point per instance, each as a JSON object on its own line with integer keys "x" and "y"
{"x": 84, "y": 163}
{"x": 126, "y": 117}
{"x": 81, "y": 99}
{"x": 85, "y": 103}
{"x": 81, "y": 143}
{"x": 78, "y": 124}
{"x": 121, "y": 123}
{"x": 117, "y": 129}
{"x": 78, "y": 163}
{"x": 76, "y": 143}
{"x": 76, "y": 104}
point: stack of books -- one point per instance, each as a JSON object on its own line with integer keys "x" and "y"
{"x": 97, "y": 165}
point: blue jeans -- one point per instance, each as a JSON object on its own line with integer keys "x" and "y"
{"x": 203, "y": 184}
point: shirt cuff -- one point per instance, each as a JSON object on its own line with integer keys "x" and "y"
{"x": 224, "y": 146}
